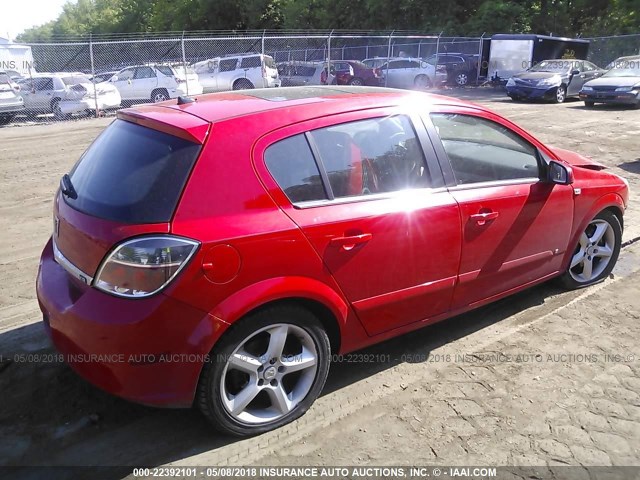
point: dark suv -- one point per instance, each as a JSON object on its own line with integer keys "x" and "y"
{"x": 462, "y": 68}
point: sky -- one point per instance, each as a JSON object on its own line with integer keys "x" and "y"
{"x": 18, "y": 15}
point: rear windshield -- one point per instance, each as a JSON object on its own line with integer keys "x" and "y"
{"x": 132, "y": 174}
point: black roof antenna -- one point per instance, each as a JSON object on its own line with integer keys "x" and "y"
{"x": 184, "y": 100}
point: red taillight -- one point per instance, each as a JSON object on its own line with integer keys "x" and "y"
{"x": 144, "y": 266}
{"x": 264, "y": 71}
{"x": 377, "y": 72}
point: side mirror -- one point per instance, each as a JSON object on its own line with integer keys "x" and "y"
{"x": 559, "y": 173}
{"x": 575, "y": 72}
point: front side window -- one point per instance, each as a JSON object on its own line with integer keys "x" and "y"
{"x": 228, "y": 65}
{"x": 371, "y": 156}
{"x": 481, "y": 150}
{"x": 126, "y": 74}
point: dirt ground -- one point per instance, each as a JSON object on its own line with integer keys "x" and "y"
{"x": 545, "y": 378}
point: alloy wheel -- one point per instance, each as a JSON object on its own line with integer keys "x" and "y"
{"x": 561, "y": 94}
{"x": 269, "y": 374}
{"x": 462, "y": 79}
{"x": 594, "y": 251}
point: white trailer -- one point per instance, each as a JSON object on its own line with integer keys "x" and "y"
{"x": 16, "y": 58}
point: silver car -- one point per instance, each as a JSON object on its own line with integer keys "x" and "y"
{"x": 11, "y": 102}
{"x": 300, "y": 74}
{"x": 410, "y": 73}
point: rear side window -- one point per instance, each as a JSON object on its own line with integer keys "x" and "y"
{"x": 360, "y": 158}
{"x": 165, "y": 70}
{"x": 250, "y": 62}
{"x": 132, "y": 174}
{"x": 292, "y": 165}
{"x": 372, "y": 156}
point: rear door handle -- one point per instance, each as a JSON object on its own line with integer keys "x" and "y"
{"x": 349, "y": 242}
{"x": 482, "y": 218}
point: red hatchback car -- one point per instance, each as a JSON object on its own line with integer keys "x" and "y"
{"x": 217, "y": 252}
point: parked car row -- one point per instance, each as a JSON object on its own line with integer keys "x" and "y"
{"x": 558, "y": 79}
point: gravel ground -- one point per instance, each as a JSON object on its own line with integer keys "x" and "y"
{"x": 451, "y": 393}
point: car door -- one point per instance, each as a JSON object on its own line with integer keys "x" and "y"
{"x": 252, "y": 69}
{"x": 42, "y": 95}
{"x": 145, "y": 80}
{"x": 227, "y": 73}
{"x": 515, "y": 226}
{"x": 123, "y": 81}
{"x": 577, "y": 78}
{"x": 366, "y": 190}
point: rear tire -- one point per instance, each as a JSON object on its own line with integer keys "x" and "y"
{"x": 462, "y": 79}
{"x": 596, "y": 254}
{"x": 422, "y": 82}
{"x": 242, "y": 84}
{"x": 5, "y": 119}
{"x": 274, "y": 362}
{"x": 159, "y": 95}
{"x": 57, "y": 112}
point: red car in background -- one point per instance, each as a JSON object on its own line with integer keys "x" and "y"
{"x": 350, "y": 72}
{"x": 218, "y": 252}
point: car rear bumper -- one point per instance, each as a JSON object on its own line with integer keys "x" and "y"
{"x": 149, "y": 350}
{"x": 106, "y": 102}
{"x": 531, "y": 93}
{"x": 11, "y": 108}
{"x": 618, "y": 98}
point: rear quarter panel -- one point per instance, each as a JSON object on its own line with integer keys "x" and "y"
{"x": 224, "y": 204}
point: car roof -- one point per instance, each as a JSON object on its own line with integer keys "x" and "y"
{"x": 216, "y": 107}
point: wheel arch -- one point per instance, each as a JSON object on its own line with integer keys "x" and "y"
{"x": 321, "y": 299}
{"x": 611, "y": 202}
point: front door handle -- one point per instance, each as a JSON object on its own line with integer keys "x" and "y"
{"x": 349, "y": 242}
{"x": 483, "y": 218}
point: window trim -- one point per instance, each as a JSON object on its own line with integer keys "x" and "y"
{"x": 427, "y": 149}
{"x": 445, "y": 162}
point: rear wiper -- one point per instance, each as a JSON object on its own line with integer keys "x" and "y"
{"x": 66, "y": 187}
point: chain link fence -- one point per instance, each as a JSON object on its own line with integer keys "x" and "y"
{"x": 104, "y": 73}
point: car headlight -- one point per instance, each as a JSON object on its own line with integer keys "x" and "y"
{"x": 143, "y": 266}
{"x": 587, "y": 89}
{"x": 550, "y": 81}
{"x": 511, "y": 82}
{"x": 624, "y": 89}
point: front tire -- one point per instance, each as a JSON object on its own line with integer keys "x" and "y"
{"x": 265, "y": 372}
{"x": 560, "y": 94}
{"x": 356, "y": 82}
{"x": 596, "y": 254}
